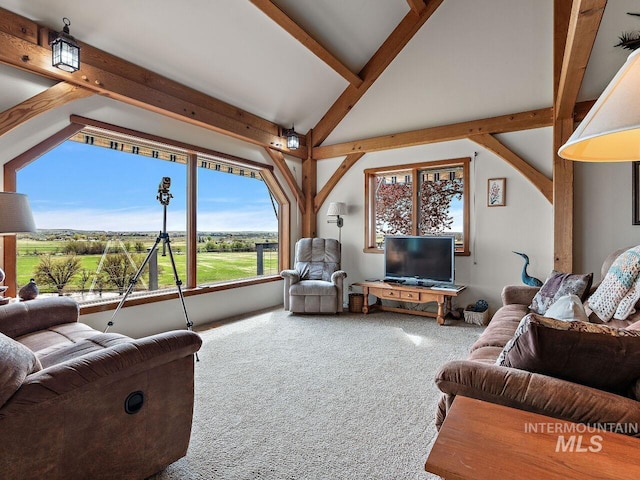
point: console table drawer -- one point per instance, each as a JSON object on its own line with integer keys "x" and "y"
{"x": 385, "y": 293}
{"x": 410, "y": 296}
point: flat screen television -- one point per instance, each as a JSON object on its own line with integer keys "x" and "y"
{"x": 419, "y": 260}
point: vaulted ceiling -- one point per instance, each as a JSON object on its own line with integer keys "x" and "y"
{"x": 290, "y": 61}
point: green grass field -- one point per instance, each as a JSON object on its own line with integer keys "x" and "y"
{"x": 211, "y": 267}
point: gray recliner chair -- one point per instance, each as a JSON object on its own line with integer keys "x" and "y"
{"x": 316, "y": 283}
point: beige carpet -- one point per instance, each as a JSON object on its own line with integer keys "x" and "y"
{"x": 282, "y": 396}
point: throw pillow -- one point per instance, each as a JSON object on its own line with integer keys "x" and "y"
{"x": 17, "y": 362}
{"x": 598, "y": 356}
{"x": 567, "y": 307}
{"x": 557, "y": 285}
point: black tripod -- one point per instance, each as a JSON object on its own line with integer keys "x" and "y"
{"x": 163, "y": 197}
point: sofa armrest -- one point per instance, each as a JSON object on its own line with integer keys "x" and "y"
{"x": 20, "y": 318}
{"x": 520, "y": 294}
{"x": 537, "y": 393}
{"x": 100, "y": 368}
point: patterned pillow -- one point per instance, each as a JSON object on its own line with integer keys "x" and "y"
{"x": 598, "y": 356}
{"x": 17, "y": 362}
{"x": 558, "y": 285}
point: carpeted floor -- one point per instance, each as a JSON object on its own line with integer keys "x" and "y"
{"x": 283, "y": 396}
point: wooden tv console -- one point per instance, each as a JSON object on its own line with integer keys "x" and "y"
{"x": 407, "y": 293}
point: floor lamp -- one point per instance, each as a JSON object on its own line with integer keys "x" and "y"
{"x": 15, "y": 217}
{"x": 335, "y": 210}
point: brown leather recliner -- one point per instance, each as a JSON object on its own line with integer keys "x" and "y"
{"x": 76, "y": 403}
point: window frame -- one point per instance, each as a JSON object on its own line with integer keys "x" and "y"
{"x": 77, "y": 125}
{"x": 370, "y": 244}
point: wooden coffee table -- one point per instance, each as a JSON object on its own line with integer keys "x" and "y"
{"x": 480, "y": 440}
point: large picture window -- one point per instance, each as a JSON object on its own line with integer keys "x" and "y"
{"x": 418, "y": 199}
{"x": 95, "y": 199}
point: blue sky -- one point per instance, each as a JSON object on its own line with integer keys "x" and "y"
{"x": 82, "y": 187}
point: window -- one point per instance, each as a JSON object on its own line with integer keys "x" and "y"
{"x": 418, "y": 199}
{"x": 96, "y": 206}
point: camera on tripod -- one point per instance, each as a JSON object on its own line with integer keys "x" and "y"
{"x": 163, "y": 191}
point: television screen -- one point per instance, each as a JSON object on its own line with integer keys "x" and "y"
{"x": 423, "y": 260}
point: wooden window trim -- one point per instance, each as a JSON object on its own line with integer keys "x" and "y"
{"x": 369, "y": 210}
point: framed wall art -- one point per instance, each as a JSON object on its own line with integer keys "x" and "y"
{"x": 496, "y": 192}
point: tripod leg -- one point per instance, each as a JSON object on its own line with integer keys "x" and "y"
{"x": 132, "y": 282}
{"x": 167, "y": 243}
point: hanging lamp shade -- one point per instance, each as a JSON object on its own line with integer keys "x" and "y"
{"x": 65, "y": 52}
{"x": 611, "y": 130}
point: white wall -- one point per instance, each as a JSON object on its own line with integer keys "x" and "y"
{"x": 525, "y": 224}
{"x": 202, "y": 309}
{"x": 603, "y": 215}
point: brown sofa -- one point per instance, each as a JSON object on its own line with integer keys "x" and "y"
{"x": 78, "y": 403}
{"x": 479, "y": 377}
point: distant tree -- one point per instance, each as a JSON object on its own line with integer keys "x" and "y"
{"x": 57, "y": 272}
{"x": 139, "y": 247}
{"x": 119, "y": 270}
{"x": 435, "y": 200}
{"x": 85, "y": 276}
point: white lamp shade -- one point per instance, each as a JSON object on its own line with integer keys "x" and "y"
{"x": 337, "y": 208}
{"x": 611, "y": 130}
{"x": 15, "y": 213}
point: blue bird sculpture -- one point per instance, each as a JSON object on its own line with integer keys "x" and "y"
{"x": 526, "y": 278}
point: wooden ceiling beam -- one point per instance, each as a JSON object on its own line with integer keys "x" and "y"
{"x": 52, "y": 97}
{"x": 344, "y": 167}
{"x": 502, "y": 124}
{"x": 116, "y": 78}
{"x": 583, "y": 28}
{"x": 417, "y": 5}
{"x": 539, "y": 180}
{"x": 296, "y": 31}
{"x": 380, "y": 60}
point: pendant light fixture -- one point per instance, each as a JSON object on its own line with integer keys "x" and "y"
{"x": 65, "y": 52}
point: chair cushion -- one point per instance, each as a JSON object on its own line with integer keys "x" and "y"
{"x": 66, "y": 341}
{"x": 17, "y": 361}
{"x": 313, "y": 287}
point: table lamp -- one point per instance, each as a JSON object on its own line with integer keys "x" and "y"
{"x": 15, "y": 217}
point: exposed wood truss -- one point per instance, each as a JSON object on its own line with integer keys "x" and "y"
{"x": 417, "y": 5}
{"x": 583, "y": 28}
{"x": 22, "y": 45}
{"x": 540, "y": 181}
{"x": 297, "y": 32}
{"x": 574, "y": 35}
{"x": 346, "y": 164}
{"x": 502, "y": 124}
{"x": 50, "y": 98}
{"x": 380, "y": 60}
